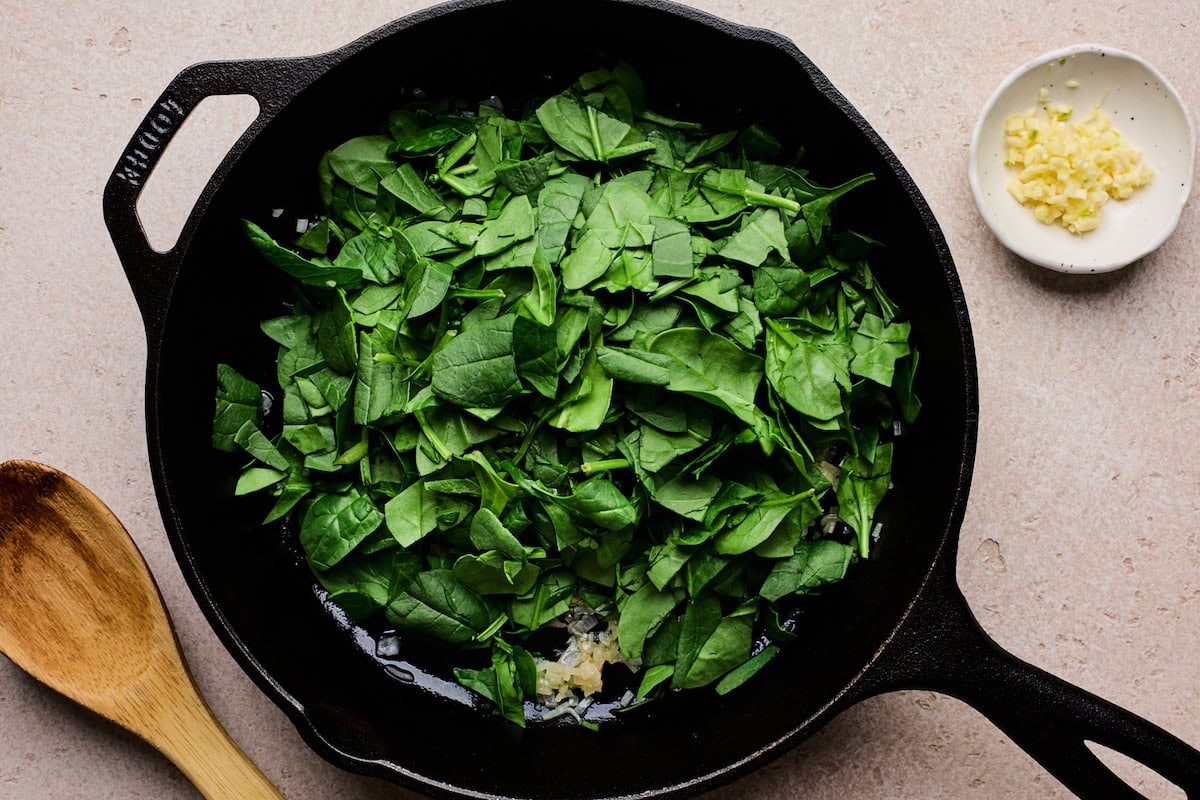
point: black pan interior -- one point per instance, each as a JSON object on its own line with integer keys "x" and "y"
{"x": 258, "y": 593}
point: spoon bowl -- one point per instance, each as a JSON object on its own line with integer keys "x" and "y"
{"x": 83, "y": 615}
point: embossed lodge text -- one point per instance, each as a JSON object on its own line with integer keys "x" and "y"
{"x": 156, "y": 131}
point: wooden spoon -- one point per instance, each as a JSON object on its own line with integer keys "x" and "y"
{"x": 80, "y": 611}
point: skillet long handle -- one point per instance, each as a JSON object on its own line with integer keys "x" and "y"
{"x": 943, "y": 648}
{"x": 152, "y": 273}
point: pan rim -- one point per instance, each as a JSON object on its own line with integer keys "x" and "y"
{"x": 319, "y": 65}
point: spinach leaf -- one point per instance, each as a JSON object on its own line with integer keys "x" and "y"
{"x": 585, "y": 132}
{"x": 478, "y": 368}
{"x": 436, "y": 603}
{"x": 489, "y": 533}
{"x": 377, "y": 259}
{"x": 656, "y": 449}
{"x": 710, "y": 644}
{"x": 761, "y": 234}
{"x": 817, "y": 213}
{"x": 311, "y": 272}
{"x": 860, "y": 490}
{"x": 255, "y": 478}
{"x": 337, "y": 336}
{"x": 634, "y": 366}
{"x": 259, "y": 445}
{"x": 671, "y": 248}
{"x": 334, "y": 524}
{"x": 600, "y": 501}
{"x": 549, "y": 600}
{"x": 654, "y": 676}
{"x": 429, "y": 282}
{"x": 492, "y": 573}
{"x": 809, "y": 373}
{"x": 515, "y": 223}
{"x": 361, "y": 161}
{"x": 525, "y": 177}
{"x": 744, "y": 672}
{"x": 906, "y": 397}
{"x": 238, "y": 402}
{"x": 535, "y": 349}
{"x": 814, "y": 563}
{"x": 779, "y": 291}
{"x": 381, "y": 388}
{"x": 713, "y": 369}
{"x": 757, "y": 525}
{"x": 588, "y": 399}
{"x": 541, "y": 301}
{"x": 641, "y": 615}
{"x": 688, "y": 496}
{"x": 407, "y": 186}
{"x": 557, "y": 204}
{"x": 363, "y": 586}
{"x": 877, "y": 346}
{"x": 412, "y": 514}
{"x": 510, "y": 679}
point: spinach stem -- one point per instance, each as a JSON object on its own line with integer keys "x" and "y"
{"x": 479, "y": 294}
{"x": 788, "y": 500}
{"x": 443, "y": 323}
{"x": 539, "y": 603}
{"x": 773, "y": 200}
{"x": 594, "y": 127}
{"x": 668, "y": 122}
{"x": 454, "y": 183}
{"x": 752, "y": 196}
{"x": 356, "y": 452}
{"x": 433, "y": 438}
{"x": 460, "y": 149}
{"x": 604, "y": 465}
{"x": 492, "y": 629}
{"x": 670, "y": 288}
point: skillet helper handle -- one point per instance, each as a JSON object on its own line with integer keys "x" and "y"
{"x": 944, "y": 649}
{"x": 151, "y": 273}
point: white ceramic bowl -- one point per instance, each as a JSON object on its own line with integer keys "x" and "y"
{"x": 1147, "y": 111}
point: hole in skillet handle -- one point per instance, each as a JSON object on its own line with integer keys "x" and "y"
{"x": 1142, "y": 778}
{"x": 198, "y": 147}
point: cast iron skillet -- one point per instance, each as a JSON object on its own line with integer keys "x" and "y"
{"x": 900, "y": 621}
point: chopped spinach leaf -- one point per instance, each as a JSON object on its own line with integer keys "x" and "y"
{"x": 575, "y": 360}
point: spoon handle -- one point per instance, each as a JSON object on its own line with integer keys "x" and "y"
{"x": 187, "y": 732}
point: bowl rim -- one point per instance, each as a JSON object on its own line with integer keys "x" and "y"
{"x": 1014, "y": 244}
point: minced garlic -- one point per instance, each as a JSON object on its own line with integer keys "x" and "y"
{"x": 1067, "y": 170}
{"x": 580, "y": 667}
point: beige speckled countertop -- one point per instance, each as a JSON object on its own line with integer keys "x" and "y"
{"x": 1080, "y": 551}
